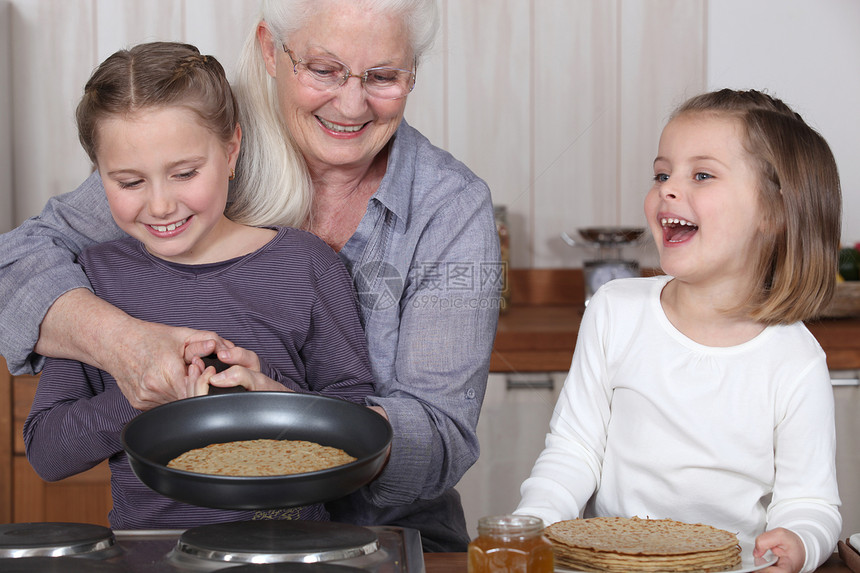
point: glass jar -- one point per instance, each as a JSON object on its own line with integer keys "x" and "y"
{"x": 501, "y": 215}
{"x": 510, "y": 544}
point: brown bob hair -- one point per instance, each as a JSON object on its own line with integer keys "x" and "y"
{"x": 800, "y": 200}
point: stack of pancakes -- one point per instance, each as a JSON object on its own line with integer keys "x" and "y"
{"x": 633, "y": 544}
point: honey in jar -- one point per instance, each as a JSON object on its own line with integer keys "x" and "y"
{"x": 510, "y": 544}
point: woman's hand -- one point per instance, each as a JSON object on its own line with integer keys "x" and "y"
{"x": 244, "y": 371}
{"x": 786, "y": 545}
{"x": 150, "y": 363}
{"x": 147, "y": 360}
{"x": 380, "y": 410}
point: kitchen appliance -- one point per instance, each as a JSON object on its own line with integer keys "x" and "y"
{"x": 609, "y": 264}
{"x": 156, "y": 436}
{"x": 290, "y": 546}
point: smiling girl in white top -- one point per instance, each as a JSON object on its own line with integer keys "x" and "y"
{"x": 701, "y": 396}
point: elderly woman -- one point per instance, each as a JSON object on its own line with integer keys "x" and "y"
{"x": 323, "y": 86}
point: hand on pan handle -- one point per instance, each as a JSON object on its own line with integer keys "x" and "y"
{"x": 231, "y": 369}
{"x": 203, "y": 343}
{"x": 152, "y": 360}
{"x": 213, "y": 361}
{"x": 379, "y": 410}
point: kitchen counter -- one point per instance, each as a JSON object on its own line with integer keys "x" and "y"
{"x": 538, "y": 332}
{"x": 456, "y": 563}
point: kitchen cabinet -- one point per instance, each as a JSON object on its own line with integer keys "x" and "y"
{"x": 512, "y": 427}
{"x": 6, "y": 433}
{"x": 846, "y": 393}
{"x": 83, "y": 498}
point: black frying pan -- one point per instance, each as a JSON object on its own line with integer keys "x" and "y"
{"x": 157, "y": 436}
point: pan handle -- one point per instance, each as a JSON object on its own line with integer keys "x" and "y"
{"x": 212, "y": 360}
{"x": 217, "y": 390}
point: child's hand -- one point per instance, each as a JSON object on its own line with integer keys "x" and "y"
{"x": 240, "y": 356}
{"x": 243, "y": 370}
{"x": 236, "y": 376}
{"x": 786, "y": 545}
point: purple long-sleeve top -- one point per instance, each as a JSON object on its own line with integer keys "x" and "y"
{"x": 292, "y": 302}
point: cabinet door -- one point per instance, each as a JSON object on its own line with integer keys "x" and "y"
{"x": 512, "y": 428}
{"x": 83, "y": 498}
{"x": 846, "y": 395}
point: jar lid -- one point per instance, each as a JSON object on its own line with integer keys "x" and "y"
{"x": 510, "y": 525}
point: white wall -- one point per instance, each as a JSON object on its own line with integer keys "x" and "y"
{"x": 55, "y": 46}
{"x": 6, "y": 215}
{"x": 807, "y": 54}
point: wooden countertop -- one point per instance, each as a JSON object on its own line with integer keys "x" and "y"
{"x": 456, "y": 563}
{"x": 538, "y": 332}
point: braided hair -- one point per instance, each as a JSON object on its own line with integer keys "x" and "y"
{"x": 154, "y": 75}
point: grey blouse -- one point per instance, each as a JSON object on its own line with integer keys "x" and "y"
{"x": 425, "y": 261}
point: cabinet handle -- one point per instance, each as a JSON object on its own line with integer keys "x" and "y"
{"x": 845, "y": 377}
{"x": 530, "y": 383}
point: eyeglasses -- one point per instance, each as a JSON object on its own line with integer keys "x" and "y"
{"x": 328, "y": 74}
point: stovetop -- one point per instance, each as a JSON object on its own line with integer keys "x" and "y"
{"x": 258, "y": 546}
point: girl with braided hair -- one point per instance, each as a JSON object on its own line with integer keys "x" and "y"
{"x": 160, "y": 124}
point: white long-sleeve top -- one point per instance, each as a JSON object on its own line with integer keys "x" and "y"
{"x": 652, "y": 424}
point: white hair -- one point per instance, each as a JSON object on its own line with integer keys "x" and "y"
{"x": 421, "y": 17}
{"x": 272, "y": 185}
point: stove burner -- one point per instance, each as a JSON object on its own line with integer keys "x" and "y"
{"x": 278, "y": 541}
{"x": 295, "y": 568}
{"x": 60, "y": 565}
{"x": 53, "y": 539}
